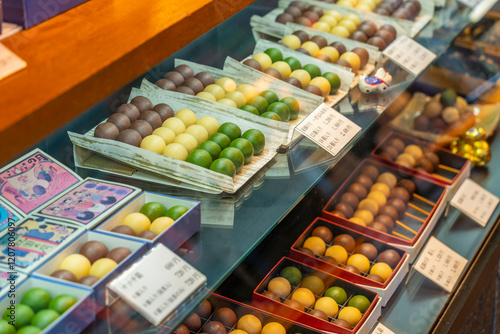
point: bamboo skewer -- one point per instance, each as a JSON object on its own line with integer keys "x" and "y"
{"x": 423, "y": 199}
{"x": 450, "y": 169}
{"x": 414, "y": 217}
{"x": 405, "y": 227}
{"x": 418, "y": 209}
{"x": 401, "y": 236}
{"x": 442, "y": 177}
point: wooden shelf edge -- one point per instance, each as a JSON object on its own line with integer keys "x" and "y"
{"x": 32, "y": 110}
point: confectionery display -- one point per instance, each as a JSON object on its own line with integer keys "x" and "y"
{"x": 288, "y": 236}
{"x": 225, "y": 90}
{"x": 151, "y": 220}
{"x": 306, "y": 76}
{"x": 350, "y": 251}
{"x": 335, "y": 52}
{"x": 347, "y": 26}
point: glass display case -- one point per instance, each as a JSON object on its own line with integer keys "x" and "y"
{"x": 243, "y": 235}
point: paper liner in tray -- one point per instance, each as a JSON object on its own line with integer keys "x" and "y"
{"x": 410, "y": 28}
{"x": 487, "y": 117}
{"x": 373, "y": 52}
{"x": 242, "y": 74}
{"x": 206, "y": 179}
{"x": 346, "y": 76}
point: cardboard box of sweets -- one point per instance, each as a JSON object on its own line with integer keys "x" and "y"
{"x": 102, "y": 272}
{"x": 235, "y": 315}
{"x": 29, "y": 13}
{"x": 375, "y": 251}
{"x": 435, "y": 164}
{"x": 173, "y": 236}
{"x": 346, "y": 308}
{"x": 73, "y": 319}
{"x": 388, "y": 204}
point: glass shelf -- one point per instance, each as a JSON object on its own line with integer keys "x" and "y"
{"x": 263, "y": 219}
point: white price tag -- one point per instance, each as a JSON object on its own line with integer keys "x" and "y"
{"x": 409, "y": 54}
{"x": 328, "y": 128}
{"x": 440, "y": 264}
{"x": 381, "y": 329}
{"x": 158, "y": 283}
{"x": 475, "y": 201}
{"x": 9, "y": 62}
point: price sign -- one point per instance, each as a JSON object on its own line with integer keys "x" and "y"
{"x": 328, "y": 128}
{"x": 475, "y": 202}
{"x": 158, "y": 283}
{"x": 440, "y": 264}
{"x": 408, "y": 54}
{"x": 9, "y": 62}
{"x": 381, "y": 329}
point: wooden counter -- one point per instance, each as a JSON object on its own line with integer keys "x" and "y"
{"x": 83, "y": 55}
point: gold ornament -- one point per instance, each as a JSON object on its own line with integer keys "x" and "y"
{"x": 472, "y": 145}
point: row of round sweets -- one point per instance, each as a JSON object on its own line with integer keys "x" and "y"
{"x": 308, "y": 294}
{"x": 335, "y": 52}
{"x": 224, "y": 320}
{"x": 399, "y": 9}
{"x": 307, "y": 77}
{"x": 226, "y": 91}
{"x": 332, "y": 21}
{"x": 36, "y": 311}
{"x": 92, "y": 262}
{"x": 151, "y": 220}
{"x": 343, "y": 250}
{"x": 375, "y": 200}
{"x": 411, "y": 156}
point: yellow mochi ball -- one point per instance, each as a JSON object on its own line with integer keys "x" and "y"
{"x": 228, "y": 84}
{"x": 174, "y": 124}
{"x": 209, "y": 123}
{"x": 77, "y": 264}
{"x": 102, "y": 267}
{"x": 207, "y": 96}
{"x": 187, "y": 140}
{"x": 248, "y": 91}
{"x": 160, "y": 224}
{"x": 175, "y": 151}
{"x": 187, "y": 116}
{"x": 199, "y": 132}
{"x": 137, "y": 221}
{"x": 166, "y": 134}
{"x": 153, "y": 143}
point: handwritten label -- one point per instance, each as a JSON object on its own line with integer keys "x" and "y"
{"x": 381, "y": 329}
{"x": 409, "y": 54}
{"x": 475, "y": 202}
{"x": 328, "y": 128}
{"x": 158, "y": 283}
{"x": 9, "y": 62}
{"x": 440, "y": 264}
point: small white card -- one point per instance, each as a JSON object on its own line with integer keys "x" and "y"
{"x": 475, "y": 202}
{"x": 158, "y": 283}
{"x": 408, "y": 54}
{"x": 9, "y": 62}
{"x": 381, "y": 329}
{"x": 440, "y": 264}
{"x": 328, "y": 128}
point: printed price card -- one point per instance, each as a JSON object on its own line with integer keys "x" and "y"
{"x": 409, "y": 54}
{"x": 328, "y": 128}
{"x": 440, "y": 264}
{"x": 158, "y": 283}
{"x": 475, "y": 201}
{"x": 9, "y": 62}
{"x": 381, "y": 329}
